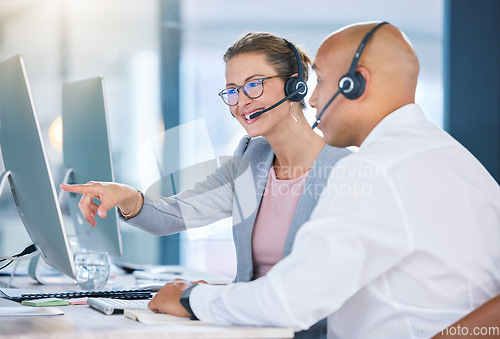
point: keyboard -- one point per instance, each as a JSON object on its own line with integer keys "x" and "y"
{"x": 116, "y": 306}
{"x": 20, "y": 295}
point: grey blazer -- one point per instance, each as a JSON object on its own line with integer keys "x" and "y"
{"x": 235, "y": 190}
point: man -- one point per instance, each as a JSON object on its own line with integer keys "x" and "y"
{"x": 404, "y": 239}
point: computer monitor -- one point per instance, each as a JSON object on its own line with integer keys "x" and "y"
{"x": 87, "y": 156}
{"x": 27, "y": 168}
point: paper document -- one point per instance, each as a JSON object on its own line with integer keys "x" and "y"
{"x": 149, "y": 317}
{"x": 171, "y": 272}
{"x": 21, "y": 311}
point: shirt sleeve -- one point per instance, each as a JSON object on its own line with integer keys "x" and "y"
{"x": 357, "y": 232}
{"x": 207, "y": 201}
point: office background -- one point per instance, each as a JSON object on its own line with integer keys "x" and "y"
{"x": 162, "y": 66}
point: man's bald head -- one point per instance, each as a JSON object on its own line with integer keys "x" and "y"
{"x": 390, "y": 67}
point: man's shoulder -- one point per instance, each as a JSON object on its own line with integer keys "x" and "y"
{"x": 404, "y": 144}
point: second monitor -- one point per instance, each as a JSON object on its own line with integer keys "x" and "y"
{"x": 87, "y": 157}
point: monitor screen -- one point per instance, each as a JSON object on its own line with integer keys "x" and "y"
{"x": 87, "y": 157}
{"x": 30, "y": 179}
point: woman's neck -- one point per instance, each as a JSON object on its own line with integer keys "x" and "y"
{"x": 296, "y": 147}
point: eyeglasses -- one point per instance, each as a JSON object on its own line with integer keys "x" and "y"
{"x": 252, "y": 89}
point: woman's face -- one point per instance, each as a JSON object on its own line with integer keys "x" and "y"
{"x": 247, "y": 66}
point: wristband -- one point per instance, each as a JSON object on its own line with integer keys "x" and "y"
{"x": 185, "y": 302}
{"x": 137, "y": 208}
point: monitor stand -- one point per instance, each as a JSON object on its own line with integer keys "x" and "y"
{"x": 35, "y": 266}
{"x": 35, "y": 271}
{"x": 3, "y": 179}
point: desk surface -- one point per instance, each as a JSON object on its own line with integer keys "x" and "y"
{"x": 82, "y": 321}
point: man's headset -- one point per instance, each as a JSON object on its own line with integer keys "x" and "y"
{"x": 352, "y": 84}
{"x": 295, "y": 87}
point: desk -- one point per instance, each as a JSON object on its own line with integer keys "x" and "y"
{"x": 82, "y": 321}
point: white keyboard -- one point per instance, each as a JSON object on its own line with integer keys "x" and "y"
{"x": 116, "y": 306}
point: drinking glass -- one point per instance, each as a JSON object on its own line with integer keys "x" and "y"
{"x": 92, "y": 270}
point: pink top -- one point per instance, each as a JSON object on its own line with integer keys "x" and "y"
{"x": 273, "y": 221}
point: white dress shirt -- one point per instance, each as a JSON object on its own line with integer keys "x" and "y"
{"x": 404, "y": 240}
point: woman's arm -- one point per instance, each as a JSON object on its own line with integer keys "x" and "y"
{"x": 206, "y": 202}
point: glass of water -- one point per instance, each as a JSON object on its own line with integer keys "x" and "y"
{"x": 92, "y": 270}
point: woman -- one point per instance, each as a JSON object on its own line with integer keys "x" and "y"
{"x": 272, "y": 183}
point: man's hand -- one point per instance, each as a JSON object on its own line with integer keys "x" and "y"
{"x": 168, "y": 299}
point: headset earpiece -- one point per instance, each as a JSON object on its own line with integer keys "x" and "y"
{"x": 296, "y": 83}
{"x": 352, "y": 85}
{"x": 293, "y": 84}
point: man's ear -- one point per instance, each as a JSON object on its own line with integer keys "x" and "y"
{"x": 366, "y": 75}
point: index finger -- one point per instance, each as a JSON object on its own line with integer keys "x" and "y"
{"x": 80, "y": 188}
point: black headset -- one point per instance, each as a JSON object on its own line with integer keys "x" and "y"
{"x": 296, "y": 83}
{"x": 352, "y": 84}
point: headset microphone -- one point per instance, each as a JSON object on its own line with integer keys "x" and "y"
{"x": 289, "y": 96}
{"x": 324, "y": 108}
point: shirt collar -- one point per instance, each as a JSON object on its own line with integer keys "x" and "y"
{"x": 408, "y": 114}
